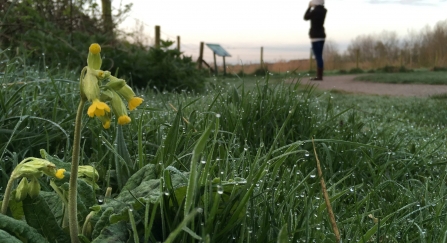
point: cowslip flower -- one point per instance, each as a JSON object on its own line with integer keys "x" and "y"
{"x": 106, "y": 120}
{"x": 126, "y": 91}
{"x": 112, "y": 91}
{"x": 33, "y": 168}
{"x": 128, "y": 94}
{"x": 98, "y": 108}
{"x": 90, "y": 80}
{"x": 118, "y": 107}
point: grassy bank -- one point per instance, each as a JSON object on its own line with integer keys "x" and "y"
{"x": 255, "y": 179}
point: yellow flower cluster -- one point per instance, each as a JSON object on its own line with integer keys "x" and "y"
{"x": 113, "y": 91}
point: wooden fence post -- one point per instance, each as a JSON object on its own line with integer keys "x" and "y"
{"x": 200, "y": 55}
{"x": 157, "y": 36}
{"x": 262, "y": 58}
{"x": 224, "y": 67}
{"x": 357, "y": 54}
{"x": 215, "y": 64}
{"x": 436, "y": 59}
{"x": 401, "y": 58}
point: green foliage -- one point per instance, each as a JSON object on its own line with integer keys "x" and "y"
{"x": 419, "y": 77}
{"x": 394, "y": 69}
{"x": 261, "y": 72}
{"x": 39, "y": 216}
{"x": 356, "y": 70}
{"x": 162, "y": 68}
{"x": 439, "y": 69}
{"x": 47, "y": 33}
{"x": 247, "y": 146}
{"x": 15, "y": 230}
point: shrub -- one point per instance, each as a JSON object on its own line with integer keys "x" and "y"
{"x": 262, "y": 71}
{"x": 439, "y": 69}
{"x": 394, "y": 69}
{"x": 356, "y": 70}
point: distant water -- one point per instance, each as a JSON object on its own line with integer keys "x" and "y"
{"x": 247, "y": 55}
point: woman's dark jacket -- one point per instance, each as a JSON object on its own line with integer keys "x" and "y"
{"x": 316, "y": 16}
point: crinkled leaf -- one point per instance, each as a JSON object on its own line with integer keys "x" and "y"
{"x": 21, "y": 230}
{"x": 38, "y": 215}
{"x": 147, "y": 172}
{"x": 102, "y": 222}
{"x": 82, "y": 208}
{"x": 6, "y": 237}
{"x": 55, "y": 204}
{"x": 113, "y": 233}
{"x": 122, "y": 215}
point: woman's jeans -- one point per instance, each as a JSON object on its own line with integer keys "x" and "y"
{"x": 317, "y": 48}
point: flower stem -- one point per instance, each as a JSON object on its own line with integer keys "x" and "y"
{"x": 7, "y": 194}
{"x": 72, "y": 189}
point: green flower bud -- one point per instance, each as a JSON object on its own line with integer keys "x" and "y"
{"x": 34, "y": 167}
{"x": 88, "y": 171}
{"x": 126, "y": 92}
{"x": 129, "y": 95}
{"x": 22, "y": 190}
{"x": 105, "y": 120}
{"x": 99, "y": 73}
{"x": 34, "y": 187}
{"x": 89, "y": 174}
{"x": 120, "y": 110}
{"x": 90, "y": 85}
{"x": 116, "y": 83}
{"x": 94, "y": 57}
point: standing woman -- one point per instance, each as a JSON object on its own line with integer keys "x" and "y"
{"x": 316, "y": 13}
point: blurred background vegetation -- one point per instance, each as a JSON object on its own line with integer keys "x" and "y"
{"x": 57, "y": 32}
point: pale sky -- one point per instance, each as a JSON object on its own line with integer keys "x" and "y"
{"x": 242, "y": 26}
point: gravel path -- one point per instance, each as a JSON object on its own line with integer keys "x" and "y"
{"x": 346, "y": 83}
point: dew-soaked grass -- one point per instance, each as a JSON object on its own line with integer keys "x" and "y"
{"x": 383, "y": 158}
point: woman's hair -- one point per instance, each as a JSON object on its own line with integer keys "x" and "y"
{"x": 318, "y": 2}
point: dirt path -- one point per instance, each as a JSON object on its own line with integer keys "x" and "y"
{"x": 346, "y": 83}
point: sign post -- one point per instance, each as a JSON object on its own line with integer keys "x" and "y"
{"x": 219, "y": 51}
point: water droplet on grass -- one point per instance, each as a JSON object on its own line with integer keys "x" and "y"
{"x": 219, "y": 189}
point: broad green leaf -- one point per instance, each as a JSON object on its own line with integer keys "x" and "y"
{"x": 55, "y": 204}
{"x": 114, "y": 233}
{"x": 21, "y": 230}
{"x": 102, "y": 222}
{"x": 38, "y": 215}
{"x": 145, "y": 173}
{"x": 86, "y": 198}
{"x": 6, "y": 237}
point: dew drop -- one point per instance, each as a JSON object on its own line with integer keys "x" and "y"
{"x": 219, "y": 189}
